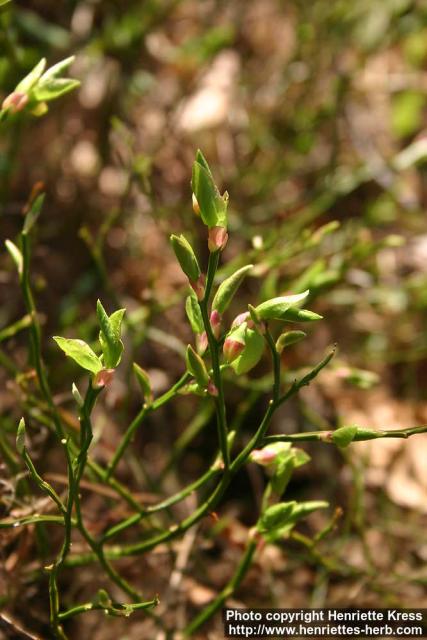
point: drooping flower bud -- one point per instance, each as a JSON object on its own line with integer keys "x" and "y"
{"x": 103, "y": 378}
{"x": 15, "y": 101}
{"x": 264, "y": 457}
{"x": 217, "y": 239}
{"x": 215, "y": 321}
{"x": 198, "y": 286}
{"x": 234, "y": 344}
{"x": 186, "y": 257}
{"x": 240, "y": 319}
{"x": 212, "y": 390}
{"x": 196, "y": 207}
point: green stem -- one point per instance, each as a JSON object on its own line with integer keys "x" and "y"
{"x": 360, "y": 436}
{"x": 130, "y": 431}
{"x": 214, "y": 351}
{"x": 164, "y": 504}
{"x": 112, "y": 610}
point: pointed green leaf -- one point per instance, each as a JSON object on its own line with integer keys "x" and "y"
{"x": 32, "y": 78}
{"x": 228, "y": 288}
{"x": 213, "y": 206}
{"x": 20, "y": 437}
{"x": 197, "y": 367}
{"x": 288, "y": 338}
{"x": 186, "y": 257}
{"x": 194, "y": 314}
{"x": 16, "y": 255}
{"x": 54, "y": 88}
{"x": 109, "y": 336}
{"x": 80, "y": 352}
{"x": 144, "y": 382}
{"x": 33, "y": 214}
{"x": 286, "y": 308}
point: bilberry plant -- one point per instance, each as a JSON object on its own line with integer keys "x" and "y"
{"x": 222, "y": 347}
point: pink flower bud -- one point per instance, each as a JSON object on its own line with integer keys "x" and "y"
{"x": 264, "y": 457}
{"x": 198, "y": 287}
{"x": 217, "y": 239}
{"x": 240, "y": 319}
{"x": 15, "y": 101}
{"x": 215, "y": 321}
{"x": 201, "y": 342}
{"x": 196, "y": 207}
{"x": 212, "y": 390}
{"x": 103, "y": 378}
{"x": 232, "y": 349}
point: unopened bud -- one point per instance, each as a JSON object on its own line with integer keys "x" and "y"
{"x": 240, "y": 319}
{"x": 196, "y": 207}
{"x": 217, "y": 239}
{"x": 264, "y": 457}
{"x": 15, "y": 101}
{"x": 215, "y": 321}
{"x": 103, "y": 378}
{"x": 201, "y": 342}
{"x": 198, "y": 287}
{"x": 212, "y": 390}
{"x": 232, "y": 348}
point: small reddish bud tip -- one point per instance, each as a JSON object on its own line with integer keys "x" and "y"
{"x": 196, "y": 207}
{"x": 217, "y": 239}
{"x": 201, "y": 343}
{"x": 198, "y": 287}
{"x": 214, "y": 516}
{"x": 232, "y": 349}
{"x": 212, "y": 390}
{"x": 264, "y": 456}
{"x": 15, "y": 101}
{"x": 240, "y": 319}
{"x": 215, "y": 321}
{"x": 103, "y": 378}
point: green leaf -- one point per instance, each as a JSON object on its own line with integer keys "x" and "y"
{"x": 278, "y": 520}
{"x": 144, "y": 382}
{"x": 276, "y": 516}
{"x": 213, "y": 206}
{"x": 54, "y": 88}
{"x": 16, "y": 256}
{"x": 286, "y": 308}
{"x": 197, "y": 367}
{"x": 55, "y": 70}
{"x": 228, "y": 288}
{"x": 32, "y": 78}
{"x": 288, "y": 338}
{"x": 251, "y": 354}
{"x": 194, "y": 314}
{"x": 80, "y": 352}
{"x": 4, "y": 5}
{"x": 343, "y": 436}
{"x": 77, "y": 396}
{"x": 186, "y": 257}
{"x": 20, "y": 437}
{"x": 110, "y": 335}
{"x": 33, "y": 214}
